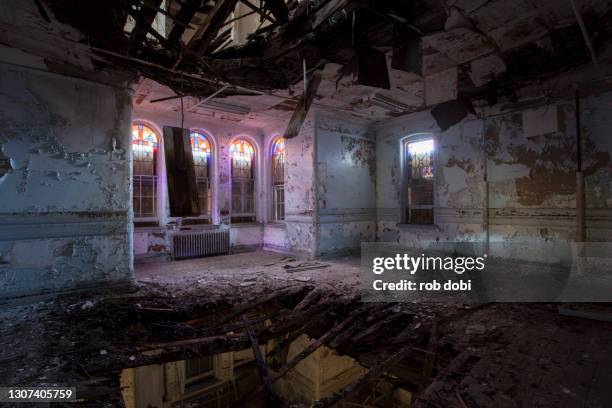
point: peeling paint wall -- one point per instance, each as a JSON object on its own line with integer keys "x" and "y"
{"x": 530, "y": 165}
{"x": 300, "y": 212}
{"x": 65, "y": 204}
{"x": 346, "y": 174}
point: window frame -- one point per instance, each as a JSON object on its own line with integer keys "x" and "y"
{"x": 155, "y": 218}
{"x": 403, "y": 145}
{"x": 253, "y": 180}
{"x": 274, "y": 188}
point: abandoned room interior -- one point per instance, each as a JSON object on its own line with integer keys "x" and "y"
{"x": 193, "y": 194}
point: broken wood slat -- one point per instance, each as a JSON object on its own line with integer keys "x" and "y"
{"x": 182, "y": 190}
{"x": 215, "y": 20}
{"x": 261, "y": 364}
{"x": 404, "y": 371}
{"x": 373, "y": 314}
{"x": 432, "y": 345}
{"x": 309, "y": 299}
{"x": 306, "y": 268}
{"x": 378, "y": 326}
{"x": 364, "y": 380}
{"x": 221, "y": 39}
{"x": 241, "y": 309}
{"x": 279, "y": 10}
{"x": 286, "y": 342}
{"x": 209, "y": 27}
{"x": 183, "y": 18}
{"x": 311, "y": 348}
{"x": 162, "y": 40}
{"x": 258, "y": 10}
{"x": 303, "y": 105}
{"x": 144, "y": 19}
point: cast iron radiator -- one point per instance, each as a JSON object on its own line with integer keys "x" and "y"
{"x": 193, "y": 244}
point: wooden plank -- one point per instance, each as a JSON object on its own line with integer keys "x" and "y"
{"x": 308, "y": 350}
{"x": 279, "y": 10}
{"x": 143, "y": 22}
{"x": 258, "y": 10}
{"x": 209, "y": 27}
{"x": 215, "y": 20}
{"x": 180, "y": 172}
{"x": 183, "y": 18}
{"x": 364, "y": 380}
{"x": 376, "y": 327}
{"x": 301, "y": 110}
{"x": 262, "y": 369}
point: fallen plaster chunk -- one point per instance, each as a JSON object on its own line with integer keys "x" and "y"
{"x": 460, "y": 44}
{"x": 486, "y": 69}
{"x": 441, "y": 87}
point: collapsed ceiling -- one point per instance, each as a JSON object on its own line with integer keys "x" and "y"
{"x": 375, "y": 59}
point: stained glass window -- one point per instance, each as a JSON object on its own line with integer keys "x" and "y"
{"x": 200, "y": 146}
{"x": 419, "y": 186}
{"x": 145, "y": 144}
{"x": 278, "y": 179}
{"x": 243, "y": 181}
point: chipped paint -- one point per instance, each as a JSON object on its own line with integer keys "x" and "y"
{"x": 57, "y": 132}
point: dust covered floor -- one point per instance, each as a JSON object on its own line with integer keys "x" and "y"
{"x": 490, "y": 355}
{"x": 248, "y": 271}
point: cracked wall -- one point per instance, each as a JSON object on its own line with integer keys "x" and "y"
{"x": 530, "y": 159}
{"x": 66, "y": 188}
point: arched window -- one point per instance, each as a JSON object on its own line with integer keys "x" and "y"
{"x": 243, "y": 181}
{"x": 419, "y": 179}
{"x": 278, "y": 179}
{"x": 200, "y": 146}
{"x": 145, "y": 144}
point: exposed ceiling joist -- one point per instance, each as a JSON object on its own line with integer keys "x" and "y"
{"x": 208, "y": 30}
{"x": 258, "y": 10}
{"x": 182, "y": 19}
{"x": 144, "y": 19}
{"x": 279, "y": 10}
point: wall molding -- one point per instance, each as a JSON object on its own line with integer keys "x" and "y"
{"x": 29, "y": 226}
{"x": 341, "y": 215}
{"x": 596, "y": 218}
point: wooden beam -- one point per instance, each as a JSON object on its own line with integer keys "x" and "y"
{"x": 216, "y": 18}
{"x": 315, "y": 345}
{"x": 182, "y": 20}
{"x": 144, "y": 19}
{"x": 301, "y": 110}
{"x": 162, "y": 40}
{"x": 376, "y": 327}
{"x": 262, "y": 369}
{"x": 207, "y": 31}
{"x": 279, "y": 10}
{"x": 258, "y": 10}
{"x": 364, "y": 380}
{"x": 311, "y": 348}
